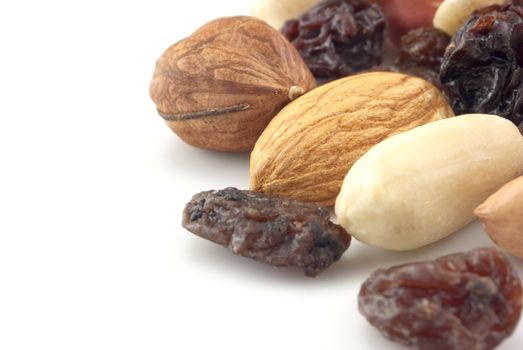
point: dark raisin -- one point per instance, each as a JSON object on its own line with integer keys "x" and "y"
{"x": 420, "y": 55}
{"x": 423, "y": 47}
{"x": 482, "y": 71}
{"x": 464, "y": 301}
{"x": 339, "y": 37}
{"x": 421, "y": 72}
{"x": 276, "y": 231}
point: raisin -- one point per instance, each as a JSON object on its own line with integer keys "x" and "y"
{"x": 421, "y": 72}
{"x": 420, "y": 55}
{"x": 276, "y": 231}
{"x": 464, "y": 301}
{"x": 339, "y": 37}
{"x": 482, "y": 70}
{"x": 423, "y": 47}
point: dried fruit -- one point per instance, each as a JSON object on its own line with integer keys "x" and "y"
{"x": 452, "y": 14}
{"x": 276, "y": 231}
{"x": 334, "y": 125}
{"x": 423, "y": 47}
{"x": 406, "y": 15}
{"x": 421, "y": 53}
{"x": 220, "y": 87}
{"x": 420, "y": 72}
{"x": 463, "y": 301}
{"x": 482, "y": 68}
{"x": 422, "y": 185}
{"x": 502, "y": 217}
{"x": 339, "y": 37}
{"x": 276, "y": 12}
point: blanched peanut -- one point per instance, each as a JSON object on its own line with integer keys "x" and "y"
{"x": 422, "y": 185}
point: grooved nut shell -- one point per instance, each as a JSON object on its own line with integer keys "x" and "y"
{"x": 307, "y": 149}
{"x": 220, "y": 87}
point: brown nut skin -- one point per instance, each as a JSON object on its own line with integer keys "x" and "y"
{"x": 219, "y": 88}
{"x": 502, "y": 217}
{"x": 406, "y": 15}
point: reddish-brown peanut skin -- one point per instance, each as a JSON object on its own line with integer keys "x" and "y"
{"x": 464, "y": 301}
{"x": 405, "y": 15}
{"x": 501, "y": 217}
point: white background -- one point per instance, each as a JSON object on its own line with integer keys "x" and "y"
{"x": 92, "y": 186}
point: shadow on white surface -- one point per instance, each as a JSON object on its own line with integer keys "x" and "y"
{"x": 339, "y": 284}
{"x": 194, "y": 165}
{"x": 357, "y": 263}
{"x": 211, "y": 256}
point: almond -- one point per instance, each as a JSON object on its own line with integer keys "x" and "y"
{"x": 307, "y": 149}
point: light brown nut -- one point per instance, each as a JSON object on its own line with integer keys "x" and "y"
{"x": 502, "y": 217}
{"x": 276, "y": 12}
{"x": 422, "y": 185}
{"x": 406, "y": 15}
{"x": 452, "y": 14}
{"x": 307, "y": 149}
{"x": 220, "y": 87}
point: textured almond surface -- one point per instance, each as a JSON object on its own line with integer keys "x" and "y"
{"x": 220, "y": 87}
{"x": 307, "y": 149}
{"x": 502, "y": 217}
{"x": 422, "y": 185}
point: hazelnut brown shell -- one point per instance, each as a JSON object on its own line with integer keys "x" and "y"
{"x": 219, "y": 88}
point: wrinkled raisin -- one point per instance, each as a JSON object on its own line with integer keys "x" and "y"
{"x": 280, "y": 232}
{"x": 421, "y": 72}
{"x": 482, "y": 71}
{"x": 423, "y": 47}
{"x": 339, "y": 37}
{"x": 420, "y": 55}
{"x": 464, "y": 301}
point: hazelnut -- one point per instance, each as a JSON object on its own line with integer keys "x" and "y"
{"x": 219, "y": 88}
